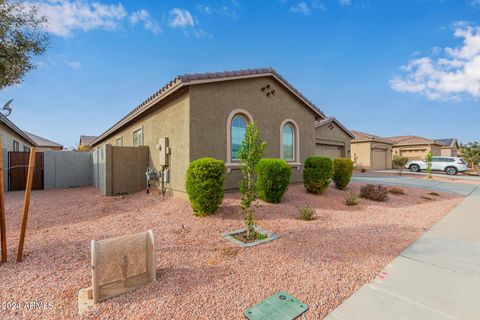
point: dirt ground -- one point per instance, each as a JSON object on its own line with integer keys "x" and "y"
{"x": 200, "y": 275}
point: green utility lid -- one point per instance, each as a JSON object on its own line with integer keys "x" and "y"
{"x": 280, "y": 306}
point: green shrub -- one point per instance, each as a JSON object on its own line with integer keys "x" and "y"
{"x": 374, "y": 192}
{"x": 307, "y": 213}
{"x": 351, "y": 199}
{"x": 342, "y": 172}
{"x": 273, "y": 177}
{"x": 204, "y": 185}
{"x": 317, "y": 174}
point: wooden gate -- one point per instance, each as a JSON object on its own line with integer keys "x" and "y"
{"x": 18, "y": 168}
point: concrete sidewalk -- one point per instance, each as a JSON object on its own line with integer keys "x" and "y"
{"x": 438, "y": 277}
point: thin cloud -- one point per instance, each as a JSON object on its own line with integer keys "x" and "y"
{"x": 301, "y": 7}
{"x": 143, "y": 17}
{"x": 449, "y": 74}
{"x": 64, "y": 17}
{"x": 181, "y": 18}
{"x": 75, "y": 65}
{"x": 345, "y": 3}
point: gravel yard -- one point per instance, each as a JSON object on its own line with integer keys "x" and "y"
{"x": 200, "y": 275}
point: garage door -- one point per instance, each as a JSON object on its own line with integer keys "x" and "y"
{"x": 328, "y": 150}
{"x": 379, "y": 159}
{"x": 414, "y": 154}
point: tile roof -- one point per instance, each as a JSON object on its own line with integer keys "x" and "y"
{"x": 401, "y": 140}
{"x": 16, "y": 129}
{"x": 196, "y": 78}
{"x": 86, "y": 140}
{"x": 362, "y": 136}
{"x": 42, "y": 142}
{"x": 333, "y": 119}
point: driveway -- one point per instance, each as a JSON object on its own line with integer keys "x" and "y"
{"x": 437, "y": 277}
{"x": 434, "y": 174}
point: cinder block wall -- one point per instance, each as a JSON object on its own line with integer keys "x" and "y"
{"x": 120, "y": 170}
{"x": 67, "y": 169}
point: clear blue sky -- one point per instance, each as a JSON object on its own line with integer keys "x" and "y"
{"x": 385, "y": 67}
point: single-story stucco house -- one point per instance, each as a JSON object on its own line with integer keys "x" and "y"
{"x": 43, "y": 143}
{"x": 205, "y": 115}
{"x": 371, "y": 152}
{"x": 415, "y": 147}
{"x": 451, "y": 147}
{"x": 332, "y": 139}
{"x": 13, "y": 138}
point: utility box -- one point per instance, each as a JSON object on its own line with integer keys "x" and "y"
{"x": 163, "y": 151}
{"x": 119, "y": 265}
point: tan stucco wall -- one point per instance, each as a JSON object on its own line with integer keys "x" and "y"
{"x": 416, "y": 152}
{"x": 212, "y": 103}
{"x": 170, "y": 120}
{"x": 449, "y": 152}
{"x": 332, "y": 134}
{"x": 361, "y": 154}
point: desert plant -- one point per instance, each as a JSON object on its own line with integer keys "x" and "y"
{"x": 351, "y": 199}
{"x": 307, "y": 213}
{"x": 429, "y": 164}
{"x": 249, "y": 154}
{"x": 374, "y": 192}
{"x": 317, "y": 174}
{"x": 396, "y": 190}
{"x": 204, "y": 185}
{"x": 273, "y": 177}
{"x": 342, "y": 172}
{"x": 471, "y": 153}
{"x": 400, "y": 162}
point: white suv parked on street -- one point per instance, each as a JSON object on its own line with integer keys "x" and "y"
{"x": 450, "y": 165}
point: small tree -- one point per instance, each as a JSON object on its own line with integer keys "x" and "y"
{"x": 21, "y": 37}
{"x": 250, "y": 153}
{"x": 400, "y": 162}
{"x": 471, "y": 153}
{"x": 429, "y": 165}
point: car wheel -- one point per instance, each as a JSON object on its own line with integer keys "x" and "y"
{"x": 415, "y": 168}
{"x": 451, "y": 171}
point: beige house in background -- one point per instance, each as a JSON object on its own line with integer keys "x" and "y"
{"x": 451, "y": 148}
{"x": 205, "y": 115}
{"x": 332, "y": 139}
{"x": 414, "y": 147}
{"x": 13, "y": 138}
{"x": 43, "y": 143}
{"x": 371, "y": 152}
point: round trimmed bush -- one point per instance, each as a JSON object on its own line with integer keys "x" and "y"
{"x": 342, "y": 172}
{"x": 317, "y": 174}
{"x": 204, "y": 184}
{"x": 273, "y": 177}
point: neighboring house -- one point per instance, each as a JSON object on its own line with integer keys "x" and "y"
{"x": 332, "y": 139}
{"x": 371, "y": 152}
{"x": 451, "y": 148}
{"x": 13, "y": 138}
{"x": 85, "y": 142}
{"x": 205, "y": 115}
{"x": 414, "y": 147}
{"x": 44, "y": 144}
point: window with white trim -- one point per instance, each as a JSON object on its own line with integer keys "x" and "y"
{"x": 138, "y": 137}
{"x": 119, "y": 142}
{"x": 288, "y": 142}
{"x": 238, "y": 131}
{"x": 16, "y": 146}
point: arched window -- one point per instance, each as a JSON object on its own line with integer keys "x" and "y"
{"x": 239, "y": 129}
{"x": 288, "y": 142}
